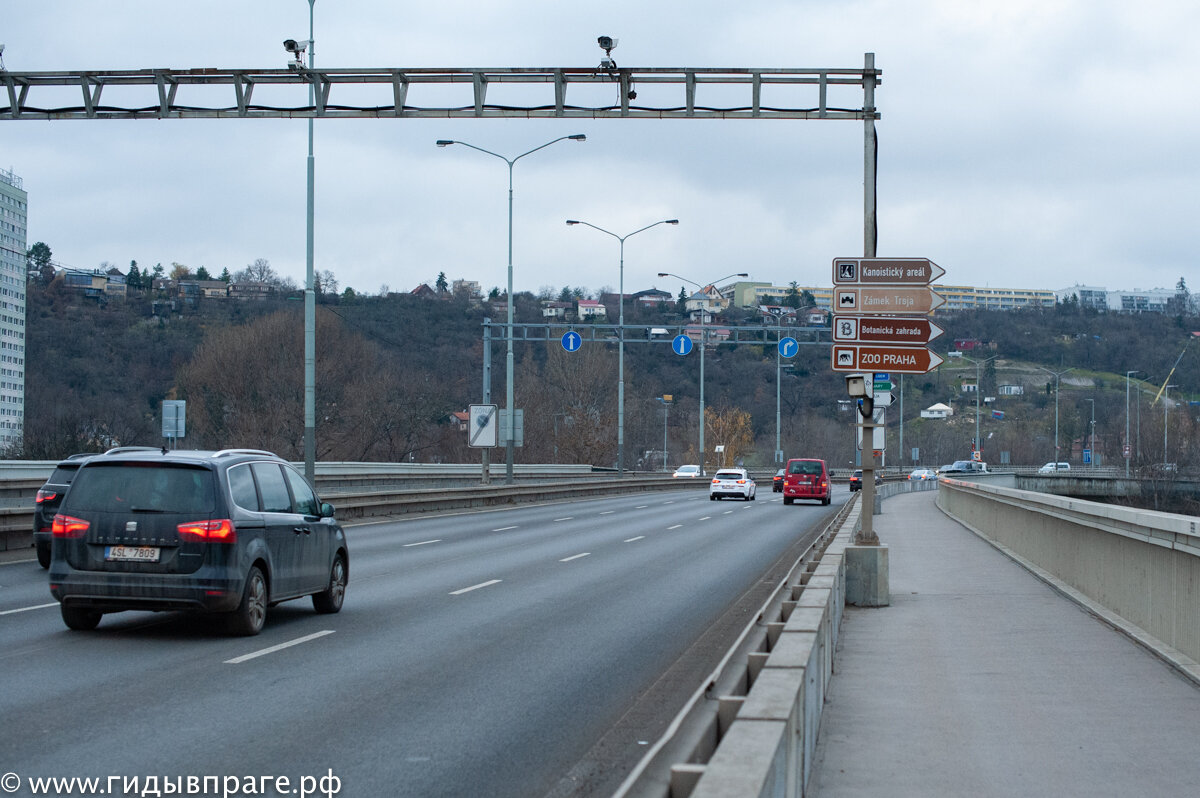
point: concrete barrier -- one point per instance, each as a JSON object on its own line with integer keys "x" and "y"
{"x": 1139, "y": 570}
{"x": 768, "y": 750}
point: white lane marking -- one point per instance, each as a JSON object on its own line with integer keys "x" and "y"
{"x": 674, "y": 527}
{"x": 727, "y": 512}
{"x": 670, "y": 502}
{"x": 489, "y": 583}
{"x": 568, "y": 518}
{"x": 280, "y": 647}
{"x": 27, "y": 609}
{"x": 17, "y": 562}
{"x": 706, "y": 518}
{"x": 641, "y": 507}
{"x": 422, "y": 543}
{"x": 608, "y": 512}
{"x": 639, "y": 537}
{"x": 504, "y": 529}
{"x": 575, "y": 557}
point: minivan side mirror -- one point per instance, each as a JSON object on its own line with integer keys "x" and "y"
{"x": 326, "y": 510}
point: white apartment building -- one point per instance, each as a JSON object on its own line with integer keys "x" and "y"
{"x": 13, "y": 215}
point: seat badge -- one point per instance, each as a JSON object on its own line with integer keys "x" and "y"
{"x": 131, "y": 526}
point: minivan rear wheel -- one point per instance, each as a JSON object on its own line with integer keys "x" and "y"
{"x": 330, "y": 599}
{"x": 80, "y": 619}
{"x": 43, "y": 554}
{"x": 251, "y": 614}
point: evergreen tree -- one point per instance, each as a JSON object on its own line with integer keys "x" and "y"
{"x": 202, "y": 274}
{"x": 225, "y": 277}
{"x": 134, "y": 278}
{"x": 441, "y": 285}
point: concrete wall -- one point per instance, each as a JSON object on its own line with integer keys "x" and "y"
{"x": 1138, "y": 569}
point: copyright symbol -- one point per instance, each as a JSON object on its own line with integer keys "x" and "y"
{"x": 10, "y": 782}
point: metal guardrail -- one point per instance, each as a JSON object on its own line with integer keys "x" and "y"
{"x": 358, "y": 494}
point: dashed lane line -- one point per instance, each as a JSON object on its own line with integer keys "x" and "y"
{"x": 280, "y": 647}
{"x": 488, "y": 583}
{"x": 27, "y": 609}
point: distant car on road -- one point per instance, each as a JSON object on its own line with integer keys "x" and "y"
{"x": 964, "y": 467}
{"x": 777, "y": 482}
{"x": 922, "y": 473}
{"x": 1050, "y": 468}
{"x": 687, "y": 471}
{"x": 734, "y": 482}
{"x": 856, "y": 480}
{"x": 45, "y": 504}
{"x": 806, "y": 479}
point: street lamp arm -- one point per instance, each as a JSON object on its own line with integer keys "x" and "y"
{"x": 448, "y": 142}
{"x": 571, "y": 222}
{"x": 573, "y": 137}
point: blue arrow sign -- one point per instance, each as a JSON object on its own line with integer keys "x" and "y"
{"x": 681, "y": 344}
{"x": 571, "y": 341}
{"x": 788, "y": 346}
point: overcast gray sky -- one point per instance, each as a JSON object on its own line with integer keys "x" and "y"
{"x": 1024, "y": 143}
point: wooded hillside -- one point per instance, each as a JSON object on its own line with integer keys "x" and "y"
{"x": 392, "y": 370}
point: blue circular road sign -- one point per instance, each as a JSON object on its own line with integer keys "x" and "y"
{"x": 571, "y": 341}
{"x": 788, "y": 346}
{"x": 681, "y": 344}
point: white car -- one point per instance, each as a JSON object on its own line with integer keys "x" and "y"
{"x": 1050, "y": 468}
{"x": 732, "y": 482}
{"x": 687, "y": 471}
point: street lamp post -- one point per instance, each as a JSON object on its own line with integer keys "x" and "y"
{"x": 1092, "y": 447}
{"x": 1127, "y": 448}
{"x": 1166, "y": 394}
{"x": 508, "y": 353}
{"x": 1057, "y": 375}
{"x": 310, "y": 302}
{"x": 703, "y": 341}
{"x": 621, "y": 339}
{"x": 666, "y": 411}
{"x": 978, "y": 390}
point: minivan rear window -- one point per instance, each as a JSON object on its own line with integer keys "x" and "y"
{"x": 809, "y": 467}
{"x": 124, "y": 487}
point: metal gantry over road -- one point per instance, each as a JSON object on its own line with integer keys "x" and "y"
{"x": 570, "y": 93}
{"x": 303, "y": 91}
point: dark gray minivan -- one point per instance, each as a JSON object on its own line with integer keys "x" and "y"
{"x": 232, "y": 531}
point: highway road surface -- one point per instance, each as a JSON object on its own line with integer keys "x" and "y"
{"x": 523, "y": 652}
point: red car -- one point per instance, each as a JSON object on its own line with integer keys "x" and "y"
{"x": 806, "y": 479}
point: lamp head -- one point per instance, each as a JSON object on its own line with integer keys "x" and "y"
{"x": 578, "y": 137}
{"x": 572, "y": 221}
{"x": 672, "y": 221}
{"x": 444, "y": 143}
{"x": 663, "y": 274}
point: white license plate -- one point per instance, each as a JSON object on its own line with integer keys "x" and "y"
{"x": 131, "y": 553}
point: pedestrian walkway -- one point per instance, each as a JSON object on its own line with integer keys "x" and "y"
{"x": 981, "y": 680}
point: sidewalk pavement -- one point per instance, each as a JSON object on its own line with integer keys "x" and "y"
{"x": 981, "y": 680}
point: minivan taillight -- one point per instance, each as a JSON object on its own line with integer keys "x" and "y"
{"x": 44, "y": 495}
{"x": 219, "y": 531}
{"x": 66, "y": 526}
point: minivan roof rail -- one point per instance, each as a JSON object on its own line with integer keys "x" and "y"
{"x": 122, "y": 449}
{"x": 231, "y": 452}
